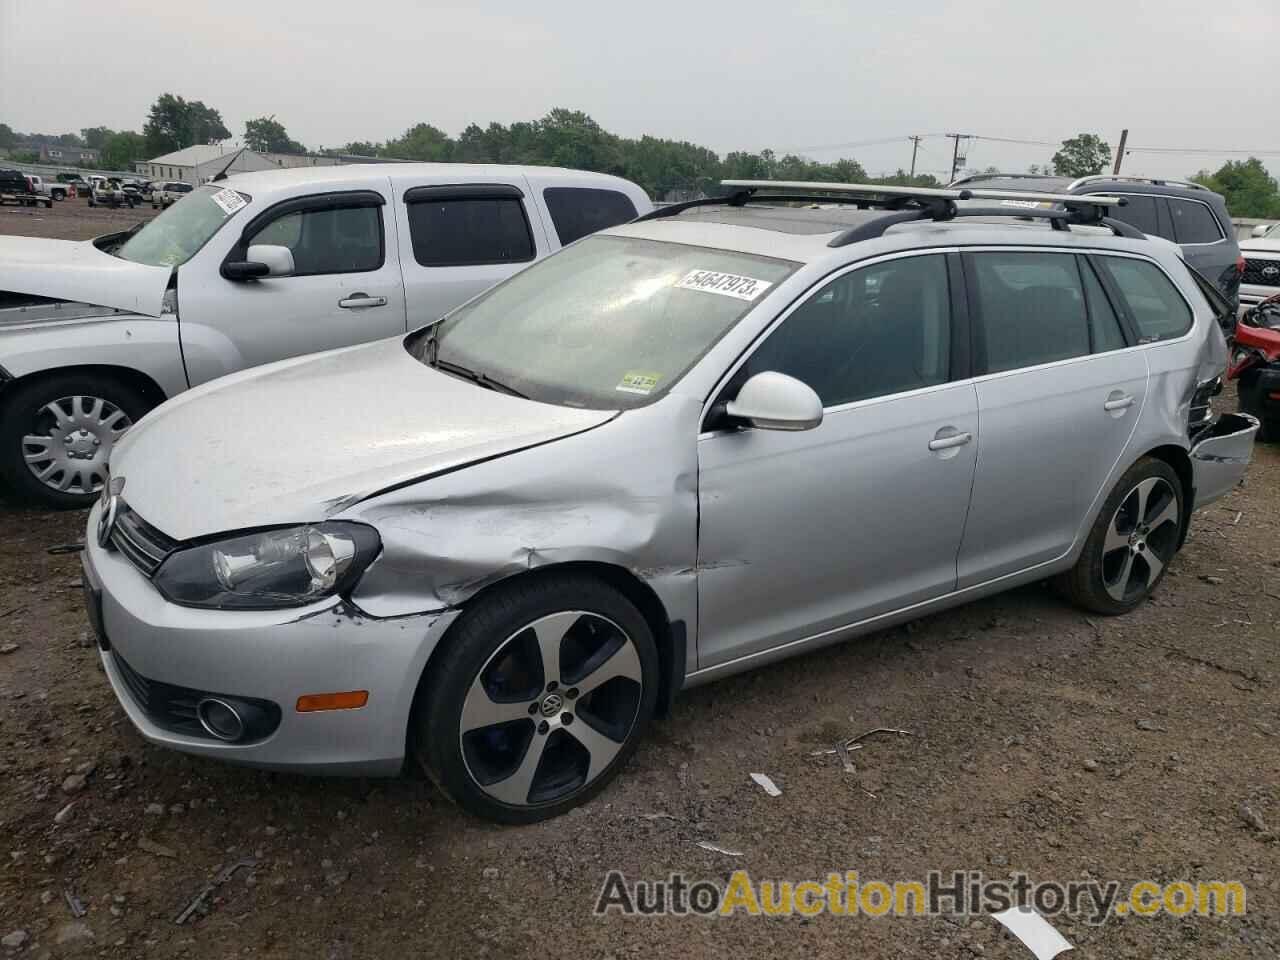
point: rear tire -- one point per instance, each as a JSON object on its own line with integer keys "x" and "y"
{"x": 1132, "y": 541}
{"x": 487, "y": 701}
{"x": 34, "y": 437}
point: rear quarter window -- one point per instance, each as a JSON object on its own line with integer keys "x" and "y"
{"x": 468, "y": 232}
{"x": 579, "y": 211}
{"x": 1157, "y": 309}
{"x": 1193, "y": 222}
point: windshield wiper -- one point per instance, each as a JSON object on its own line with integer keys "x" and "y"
{"x": 476, "y": 377}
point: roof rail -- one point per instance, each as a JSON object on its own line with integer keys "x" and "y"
{"x": 1119, "y": 178}
{"x": 999, "y": 176}
{"x": 861, "y": 189}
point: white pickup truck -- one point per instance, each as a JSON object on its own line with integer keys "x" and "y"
{"x": 255, "y": 268}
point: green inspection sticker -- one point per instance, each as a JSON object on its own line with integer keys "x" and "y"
{"x": 635, "y": 381}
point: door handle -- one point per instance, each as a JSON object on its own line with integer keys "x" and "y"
{"x": 359, "y": 301}
{"x": 1118, "y": 403}
{"x": 946, "y": 443}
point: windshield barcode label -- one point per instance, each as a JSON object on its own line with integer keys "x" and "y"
{"x": 725, "y": 284}
{"x": 228, "y": 200}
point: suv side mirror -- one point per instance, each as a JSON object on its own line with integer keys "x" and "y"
{"x": 775, "y": 401}
{"x": 1261, "y": 229}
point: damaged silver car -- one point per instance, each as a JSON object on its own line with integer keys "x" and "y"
{"x": 728, "y": 432}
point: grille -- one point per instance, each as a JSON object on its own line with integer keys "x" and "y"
{"x": 144, "y": 545}
{"x": 173, "y": 708}
{"x": 1254, "y": 273}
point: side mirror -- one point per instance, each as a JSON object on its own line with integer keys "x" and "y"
{"x": 1261, "y": 230}
{"x": 279, "y": 260}
{"x": 775, "y": 401}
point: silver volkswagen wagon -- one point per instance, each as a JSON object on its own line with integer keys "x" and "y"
{"x": 728, "y": 432}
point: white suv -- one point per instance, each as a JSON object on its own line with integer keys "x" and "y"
{"x": 258, "y": 267}
{"x": 165, "y": 193}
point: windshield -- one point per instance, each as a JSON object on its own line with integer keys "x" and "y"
{"x": 174, "y": 237}
{"x": 608, "y": 323}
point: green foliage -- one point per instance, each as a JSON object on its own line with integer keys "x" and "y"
{"x": 421, "y": 142}
{"x": 268, "y": 135}
{"x": 96, "y": 137}
{"x": 174, "y": 123}
{"x": 122, "y": 148}
{"x": 25, "y": 156}
{"x": 1249, "y": 189}
{"x": 8, "y": 138}
{"x": 1082, "y": 156}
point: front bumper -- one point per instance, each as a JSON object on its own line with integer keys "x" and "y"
{"x": 1252, "y": 294}
{"x": 276, "y": 655}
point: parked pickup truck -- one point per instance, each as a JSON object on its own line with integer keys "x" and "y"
{"x": 255, "y": 268}
{"x": 53, "y": 190}
{"x": 16, "y": 188}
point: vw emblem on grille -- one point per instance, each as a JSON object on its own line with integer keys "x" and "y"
{"x": 551, "y": 705}
{"x": 110, "y": 508}
{"x": 1271, "y": 271}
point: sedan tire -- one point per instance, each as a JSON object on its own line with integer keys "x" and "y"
{"x": 538, "y": 698}
{"x": 1132, "y": 541}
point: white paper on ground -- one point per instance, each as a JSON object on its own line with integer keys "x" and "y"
{"x": 769, "y": 786}
{"x": 1035, "y": 931}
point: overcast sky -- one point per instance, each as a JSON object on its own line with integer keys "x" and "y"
{"x": 798, "y": 76}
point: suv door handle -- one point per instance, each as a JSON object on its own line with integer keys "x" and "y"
{"x": 946, "y": 443}
{"x": 1117, "y": 401}
{"x": 358, "y": 301}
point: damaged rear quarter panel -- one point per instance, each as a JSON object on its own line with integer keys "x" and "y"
{"x": 623, "y": 494}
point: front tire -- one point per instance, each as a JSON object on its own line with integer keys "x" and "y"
{"x": 57, "y": 434}
{"x": 1132, "y": 541}
{"x": 538, "y": 699}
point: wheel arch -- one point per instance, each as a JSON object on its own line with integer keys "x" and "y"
{"x": 142, "y": 382}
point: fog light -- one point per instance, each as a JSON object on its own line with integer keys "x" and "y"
{"x": 220, "y": 719}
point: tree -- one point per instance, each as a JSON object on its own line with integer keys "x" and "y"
{"x": 8, "y": 138}
{"x": 122, "y": 149}
{"x": 95, "y": 138}
{"x": 1082, "y": 156}
{"x": 1249, "y": 189}
{"x": 421, "y": 142}
{"x": 268, "y": 135}
{"x": 174, "y": 123}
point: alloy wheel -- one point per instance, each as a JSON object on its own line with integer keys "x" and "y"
{"x": 551, "y": 708}
{"x": 71, "y": 440}
{"x": 1141, "y": 539}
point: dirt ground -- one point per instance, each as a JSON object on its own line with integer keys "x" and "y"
{"x": 1041, "y": 741}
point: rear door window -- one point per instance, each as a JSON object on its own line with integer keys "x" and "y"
{"x": 1193, "y": 222}
{"x": 1031, "y": 309}
{"x": 455, "y": 232}
{"x": 579, "y": 211}
{"x": 1139, "y": 211}
{"x": 1157, "y": 310}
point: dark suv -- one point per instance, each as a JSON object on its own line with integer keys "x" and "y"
{"x": 1192, "y": 216}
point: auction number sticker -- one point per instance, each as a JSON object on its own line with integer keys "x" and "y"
{"x": 637, "y": 382}
{"x": 228, "y": 200}
{"x": 725, "y": 284}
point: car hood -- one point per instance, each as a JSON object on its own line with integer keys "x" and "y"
{"x": 1260, "y": 245}
{"x": 301, "y": 440}
{"x": 76, "y": 270}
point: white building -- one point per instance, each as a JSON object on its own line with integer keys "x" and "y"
{"x": 201, "y": 163}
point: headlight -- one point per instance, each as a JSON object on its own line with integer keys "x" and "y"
{"x": 274, "y": 568}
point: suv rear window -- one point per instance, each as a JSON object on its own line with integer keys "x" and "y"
{"x": 1031, "y": 308}
{"x": 469, "y": 232}
{"x": 1157, "y": 309}
{"x": 578, "y": 211}
{"x": 1193, "y": 222}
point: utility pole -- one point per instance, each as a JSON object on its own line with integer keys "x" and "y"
{"x": 915, "y": 141}
{"x": 956, "y": 159}
{"x": 1124, "y": 138}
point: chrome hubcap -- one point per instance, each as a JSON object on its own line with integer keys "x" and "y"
{"x": 71, "y": 441}
{"x": 551, "y": 708}
{"x": 1140, "y": 540}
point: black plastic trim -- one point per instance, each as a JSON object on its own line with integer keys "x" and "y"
{"x": 463, "y": 191}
